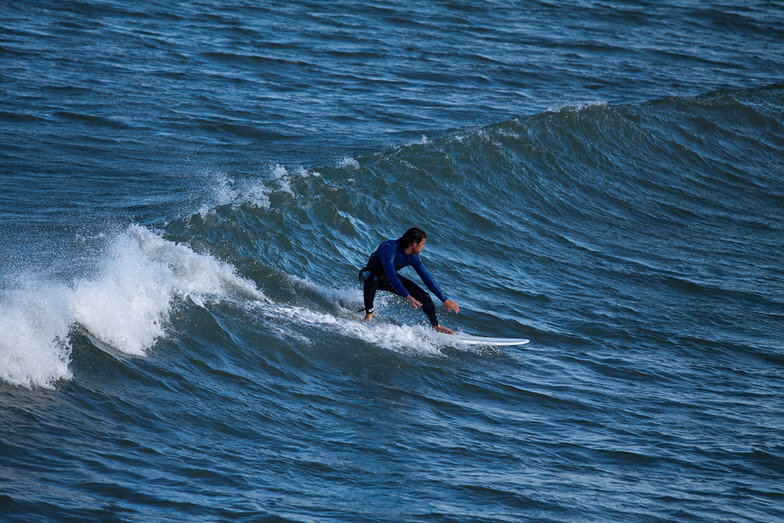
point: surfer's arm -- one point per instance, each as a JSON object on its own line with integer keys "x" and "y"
{"x": 427, "y": 279}
{"x": 419, "y": 267}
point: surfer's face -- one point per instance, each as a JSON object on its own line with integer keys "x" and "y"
{"x": 417, "y": 247}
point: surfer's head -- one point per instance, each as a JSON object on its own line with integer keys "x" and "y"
{"x": 413, "y": 237}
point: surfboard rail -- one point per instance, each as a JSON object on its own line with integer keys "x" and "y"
{"x": 470, "y": 339}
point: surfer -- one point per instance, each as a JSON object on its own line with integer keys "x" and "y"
{"x": 380, "y": 273}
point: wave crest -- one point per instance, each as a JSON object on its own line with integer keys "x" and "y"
{"x": 125, "y": 305}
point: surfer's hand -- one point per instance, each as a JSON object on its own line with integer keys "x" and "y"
{"x": 451, "y": 305}
{"x": 413, "y": 301}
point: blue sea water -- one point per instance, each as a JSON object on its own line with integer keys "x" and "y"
{"x": 187, "y": 190}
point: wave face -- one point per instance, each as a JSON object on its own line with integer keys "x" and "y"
{"x": 179, "y": 335}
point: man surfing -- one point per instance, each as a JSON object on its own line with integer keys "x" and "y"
{"x": 380, "y": 273}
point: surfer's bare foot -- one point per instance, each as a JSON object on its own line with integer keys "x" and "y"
{"x": 368, "y": 317}
{"x": 442, "y": 330}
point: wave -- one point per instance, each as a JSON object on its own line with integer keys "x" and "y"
{"x": 591, "y": 211}
{"x": 594, "y": 203}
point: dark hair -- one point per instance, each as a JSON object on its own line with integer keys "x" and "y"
{"x": 412, "y": 237}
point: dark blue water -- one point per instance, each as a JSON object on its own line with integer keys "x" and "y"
{"x": 188, "y": 188}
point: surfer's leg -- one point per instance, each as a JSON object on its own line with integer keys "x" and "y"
{"x": 422, "y": 297}
{"x": 369, "y": 289}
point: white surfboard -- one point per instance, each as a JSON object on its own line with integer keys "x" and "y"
{"x": 470, "y": 339}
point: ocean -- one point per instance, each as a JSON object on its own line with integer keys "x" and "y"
{"x": 188, "y": 189}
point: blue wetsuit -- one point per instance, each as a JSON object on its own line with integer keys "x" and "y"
{"x": 380, "y": 273}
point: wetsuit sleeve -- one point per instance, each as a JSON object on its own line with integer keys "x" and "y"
{"x": 387, "y": 255}
{"x": 416, "y": 263}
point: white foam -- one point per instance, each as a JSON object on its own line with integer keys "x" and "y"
{"x": 227, "y": 191}
{"x": 128, "y": 304}
{"x": 278, "y": 171}
{"x": 34, "y": 325}
{"x": 577, "y": 107}
{"x": 349, "y": 163}
{"x": 258, "y": 196}
{"x": 399, "y": 338}
{"x": 125, "y": 304}
{"x": 221, "y": 193}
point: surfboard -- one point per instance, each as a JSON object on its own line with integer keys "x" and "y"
{"x": 470, "y": 339}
